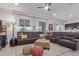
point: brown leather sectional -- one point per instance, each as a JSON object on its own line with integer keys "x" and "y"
{"x": 32, "y": 37}
{"x": 67, "y": 39}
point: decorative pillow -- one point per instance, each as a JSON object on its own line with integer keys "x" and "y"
{"x": 2, "y": 33}
{"x": 42, "y": 35}
{"x": 23, "y": 36}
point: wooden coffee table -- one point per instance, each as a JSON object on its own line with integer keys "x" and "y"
{"x": 43, "y": 43}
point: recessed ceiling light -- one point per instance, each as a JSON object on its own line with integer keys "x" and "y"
{"x": 70, "y": 15}
{"x": 16, "y": 3}
{"x": 54, "y": 14}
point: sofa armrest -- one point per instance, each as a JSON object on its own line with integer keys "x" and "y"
{"x": 75, "y": 40}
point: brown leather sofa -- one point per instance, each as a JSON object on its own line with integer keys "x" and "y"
{"x": 67, "y": 39}
{"x": 32, "y": 37}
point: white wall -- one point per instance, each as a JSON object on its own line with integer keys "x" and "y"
{"x": 7, "y": 16}
{"x": 35, "y": 22}
{"x": 56, "y": 23}
{"x": 72, "y": 21}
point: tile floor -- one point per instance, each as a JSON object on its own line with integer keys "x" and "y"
{"x": 55, "y": 50}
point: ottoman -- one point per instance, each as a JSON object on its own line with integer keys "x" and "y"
{"x": 37, "y": 51}
{"x": 27, "y": 50}
{"x": 43, "y": 43}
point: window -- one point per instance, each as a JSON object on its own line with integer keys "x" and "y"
{"x": 42, "y": 25}
{"x": 24, "y": 22}
{"x": 27, "y": 23}
{"x": 21, "y": 22}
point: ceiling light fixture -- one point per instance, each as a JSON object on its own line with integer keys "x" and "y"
{"x": 54, "y": 14}
{"x": 46, "y": 8}
{"x": 70, "y": 15}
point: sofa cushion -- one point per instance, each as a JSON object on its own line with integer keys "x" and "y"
{"x": 24, "y": 36}
{"x": 34, "y": 38}
{"x": 67, "y": 37}
{"x": 76, "y": 37}
{"x": 75, "y": 40}
{"x": 66, "y": 41}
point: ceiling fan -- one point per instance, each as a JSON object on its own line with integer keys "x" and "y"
{"x": 46, "y": 7}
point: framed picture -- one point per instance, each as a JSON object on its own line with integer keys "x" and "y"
{"x": 50, "y": 27}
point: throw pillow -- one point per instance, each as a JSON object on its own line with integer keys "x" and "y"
{"x": 2, "y": 33}
{"x": 42, "y": 35}
{"x": 23, "y": 36}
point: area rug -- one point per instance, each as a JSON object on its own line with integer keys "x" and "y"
{"x": 55, "y": 50}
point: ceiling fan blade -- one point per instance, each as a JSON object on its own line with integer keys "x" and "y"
{"x": 49, "y": 4}
{"x": 49, "y": 9}
{"x": 40, "y": 7}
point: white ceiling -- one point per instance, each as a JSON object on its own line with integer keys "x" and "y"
{"x": 62, "y": 10}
